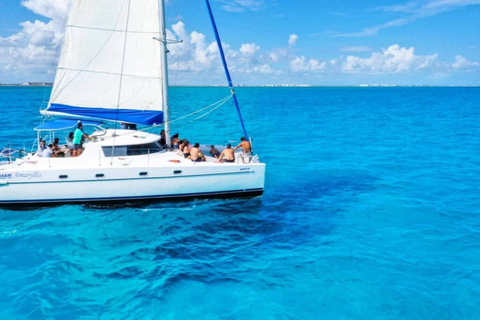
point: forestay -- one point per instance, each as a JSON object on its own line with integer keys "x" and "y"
{"x": 110, "y": 66}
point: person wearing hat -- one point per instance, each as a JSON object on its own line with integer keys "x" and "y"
{"x": 78, "y": 136}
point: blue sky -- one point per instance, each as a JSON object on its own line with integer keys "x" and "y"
{"x": 428, "y": 42}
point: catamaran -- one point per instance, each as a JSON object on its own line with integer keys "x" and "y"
{"x": 113, "y": 67}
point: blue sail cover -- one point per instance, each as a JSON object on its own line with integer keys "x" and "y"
{"x": 119, "y": 115}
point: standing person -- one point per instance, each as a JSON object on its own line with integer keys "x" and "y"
{"x": 247, "y": 149}
{"x": 229, "y": 154}
{"x": 78, "y": 136}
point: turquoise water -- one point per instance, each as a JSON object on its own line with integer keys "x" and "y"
{"x": 371, "y": 211}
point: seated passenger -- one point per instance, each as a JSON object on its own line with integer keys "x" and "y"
{"x": 48, "y": 152}
{"x": 196, "y": 154}
{"x": 57, "y": 152}
{"x": 41, "y": 147}
{"x": 186, "y": 149}
{"x": 229, "y": 154}
{"x": 128, "y": 126}
{"x": 55, "y": 146}
{"x": 214, "y": 152}
{"x": 163, "y": 141}
{"x": 202, "y": 156}
{"x": 175, "y": 141}
{"x": 180, "y": 147}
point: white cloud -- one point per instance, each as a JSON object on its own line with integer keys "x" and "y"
{"x": 292, "y": 40}
{"x": 264, "y": 69}
{"x": 195, "y": 55}
{"x": 394, "y": 59}
{"x": 249, "y": 49}
{"x": 31, "y": 53}
{"x": 302, "y": 64}
{"x": 463, "y": 64}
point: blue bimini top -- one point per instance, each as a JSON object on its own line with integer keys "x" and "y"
{"x": 61, "y": 124}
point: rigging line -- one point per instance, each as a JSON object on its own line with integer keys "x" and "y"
{"x": 222, "y": 101}
{"x": 205, "y": 114}
{"x": 109, "y": 73}
{"x": 213, "y": 105}
{"x": 121, "y": 79}
{"x": 111, "y": 30}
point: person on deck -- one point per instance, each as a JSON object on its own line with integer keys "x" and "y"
{"x": 195, "y": 153}
{"x": 55, "y": 146}
{"x": 247, "y": 149}
{"x": 175, "y": 141}
{"x": 69, "y": 141}
{"x": 214, "y": 152}
{"x": 163, "y": 141}
{"x": 128, "y": 126}
{"x": 57, "y": 151}
{"x": 48, "y": 152}
{"x": 41, "y": 147}
{"x": 186, "y": 149}
{"x": 78, "y": 136}
{"x": 229, "y": 154}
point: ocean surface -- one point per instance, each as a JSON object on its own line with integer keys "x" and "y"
{"x": 371, "y": 210}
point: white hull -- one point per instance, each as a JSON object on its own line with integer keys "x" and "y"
{"x": 132, "y": 183}
{"x": 164, "y": 175}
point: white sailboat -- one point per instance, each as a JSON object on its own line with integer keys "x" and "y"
{"x": 113, "y": 67}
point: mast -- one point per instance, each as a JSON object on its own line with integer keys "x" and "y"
{"x": 163, "y": 59}
{"x": 225, "y": 67}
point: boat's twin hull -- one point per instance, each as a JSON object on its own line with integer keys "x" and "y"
{"x": 119, "y": 184}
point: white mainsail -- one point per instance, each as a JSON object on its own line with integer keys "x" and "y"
{"x": 110, "y": 65}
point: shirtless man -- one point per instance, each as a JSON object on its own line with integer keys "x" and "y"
{"x": 214, "y": 152}
{"x": 247, "y": 149}
{"x": 229, "y": 154}
{"x": 195, "y": 153}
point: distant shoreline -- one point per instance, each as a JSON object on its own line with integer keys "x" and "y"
{"x": 48, "y": 84}
{"x": 27, "y": 84}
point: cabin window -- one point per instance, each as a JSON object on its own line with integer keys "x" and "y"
{"x": 117, "y": 151}
{"x": 132, "y": 150}
{"x": 139, "y": 149}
